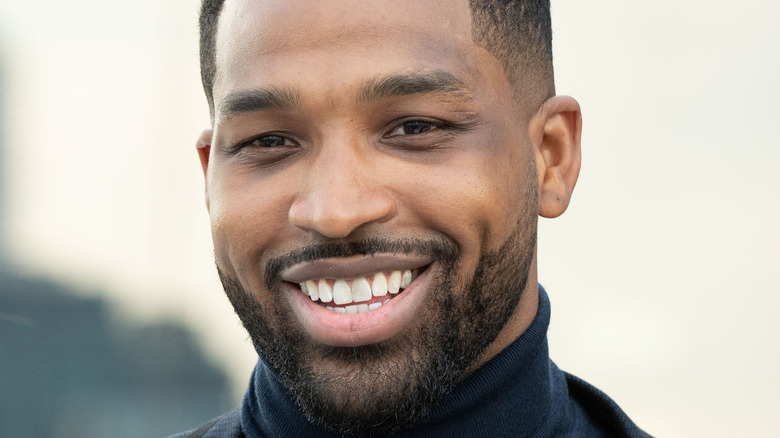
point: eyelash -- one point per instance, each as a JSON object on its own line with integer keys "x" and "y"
{"x": 428, "y": 125}
{"x": 276, "y": 138}
{"x": 431, "y": 125}
{"x": 284, "y": 139}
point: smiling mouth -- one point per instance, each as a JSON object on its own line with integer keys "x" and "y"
{"x": 369, "y": 292}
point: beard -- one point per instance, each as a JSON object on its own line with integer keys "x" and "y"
{"x": 382, "y": 388}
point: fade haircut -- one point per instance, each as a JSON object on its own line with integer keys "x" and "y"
{"x": 517, "y": 32}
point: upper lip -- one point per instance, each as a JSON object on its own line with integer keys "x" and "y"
{"x": 353, "y": 267}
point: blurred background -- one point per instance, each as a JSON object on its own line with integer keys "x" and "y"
{"x": 663, "y": 273}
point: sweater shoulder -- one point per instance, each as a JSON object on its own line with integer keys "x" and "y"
{"x": 224, "y": 426}
{"x": 602, "y": 409}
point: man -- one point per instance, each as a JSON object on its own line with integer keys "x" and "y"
{"x": 374, "y": 173}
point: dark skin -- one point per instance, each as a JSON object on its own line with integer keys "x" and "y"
{"x": 338, "y": 122}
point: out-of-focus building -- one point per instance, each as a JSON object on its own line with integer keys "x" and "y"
{"x": 69, "y": 367}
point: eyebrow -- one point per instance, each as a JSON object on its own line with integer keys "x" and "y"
{"x": 440, "y": 82}
{"x": 258, "y": 99}
{"x": 377, "y": 89}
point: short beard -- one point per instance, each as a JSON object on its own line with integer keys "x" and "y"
{"x": 389, "y": 386}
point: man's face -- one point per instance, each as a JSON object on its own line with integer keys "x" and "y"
{"x": 371, "y": 152}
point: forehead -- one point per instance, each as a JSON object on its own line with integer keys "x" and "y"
{"x": 293, "y": 23}
{"x": 314, "y": 42}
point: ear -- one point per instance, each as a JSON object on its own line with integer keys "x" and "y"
{"x": 203, "y": 145}
{"x": 555, "y": 132}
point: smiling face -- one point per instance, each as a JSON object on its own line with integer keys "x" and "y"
{"x": 372, "y": 187}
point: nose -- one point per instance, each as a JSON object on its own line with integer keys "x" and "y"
{"x": 341, "y": 192}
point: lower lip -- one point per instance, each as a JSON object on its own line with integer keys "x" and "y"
{"x": 342, "y": 330}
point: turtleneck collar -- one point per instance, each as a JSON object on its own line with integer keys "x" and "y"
{"x": 519, "y": 392}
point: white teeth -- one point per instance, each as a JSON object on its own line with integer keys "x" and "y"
{"x": 361, "y": 290}
{"x": 406, "y": 279}
{"x": 310, "y": 285}
{"x": 341, "y": 292}
{"x": 379, "y": 285}
{"x": 394, "y": 282}
{"x": 357, "y": 308}
{"x": 358, "y": 290}
{"x": 324, "y": 291}
{"x": 313, "y": 292}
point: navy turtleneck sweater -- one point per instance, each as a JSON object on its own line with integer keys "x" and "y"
{"x": 518, "y": 393}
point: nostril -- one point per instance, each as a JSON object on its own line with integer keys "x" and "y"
{"x": 337, "y": 215}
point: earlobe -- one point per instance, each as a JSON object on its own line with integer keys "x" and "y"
{"x": 203, "y": 145}
{"x": 556, "y": 132}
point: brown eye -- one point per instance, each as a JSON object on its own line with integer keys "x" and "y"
{"x": 271, "y": 141}
{"x": 413, "y": 128}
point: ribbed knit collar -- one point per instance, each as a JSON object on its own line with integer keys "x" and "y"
{"x": 517, "y": 392}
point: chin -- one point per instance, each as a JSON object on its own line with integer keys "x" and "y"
{"x": 389, "y": 385}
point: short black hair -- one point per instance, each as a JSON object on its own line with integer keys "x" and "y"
{"x": 517, "y": 32}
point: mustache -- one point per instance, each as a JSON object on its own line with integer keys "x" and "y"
{"x": 439, "y": 248}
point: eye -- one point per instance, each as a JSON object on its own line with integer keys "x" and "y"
{"x": 270, "y": 141}
{"x": 413, "y": 127}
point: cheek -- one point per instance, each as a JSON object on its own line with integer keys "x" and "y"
{"x": 246, "y": 217}
{"x": 475, "y": 199}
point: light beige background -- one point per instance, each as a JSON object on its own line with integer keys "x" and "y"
{"x": 663, "y": 274}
